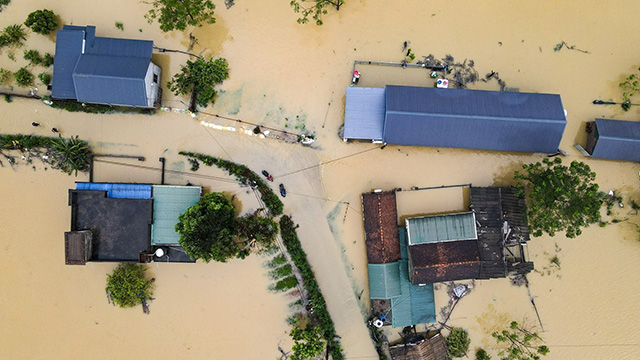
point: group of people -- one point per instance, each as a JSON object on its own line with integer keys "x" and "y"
{"x": 53, "y": 130}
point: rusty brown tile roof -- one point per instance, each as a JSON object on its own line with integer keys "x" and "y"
{"x": 429, "y": 349}
{"x": 381, "y": 227}
{"x": 444, "y": 261}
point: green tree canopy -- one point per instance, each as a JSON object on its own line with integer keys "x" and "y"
{"x": 560, "y": 198}
{"x": 520, "y": 343}
{"x": 263, "y": 230}
{"x": 307, "y": 342}
{"x": 313, "y": 8}
{"x": 127, "y": 285}
{"x": 178, "y": 14}
{"x": 458, "y": 342}
{"x": 42, "y": 21}
{"x": 200, "y": 77}
{"x": 207, "y": 229}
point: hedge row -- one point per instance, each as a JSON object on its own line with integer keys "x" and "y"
{"x": 243, "y": 174}
{"x": 319, "y": 306}
{"x": 75, "y": 106}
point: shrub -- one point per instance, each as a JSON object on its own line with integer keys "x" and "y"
{"x": 42, "y": 21}
{"x": 47, "y": 60}
{"x": 12, "y": 35}
{"x": 23, "y": 77}
{"x": 33, "y": 56}
{"x": 119, "y": 25}
{"x": 481, "y": 354}
{"x": 458, "y": 342}
{"x": 5, "y": 76}
{"x": 127, "y": 286}
{"x": 45, "y": 78}
{"x": 307, "y": 342}
{"x": 285, "y": 284}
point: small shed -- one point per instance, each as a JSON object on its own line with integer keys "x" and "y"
{"x": 613, "y": 139}
{"x": 78, "y": 247}
{"x": 434, "y": 348}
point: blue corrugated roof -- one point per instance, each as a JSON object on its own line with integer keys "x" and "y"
{"x": 68, "y": 49}
{"x": 437, "y": 228}
{"x": 364, "y": 113}
{"x": 384, "y": 281}
{"x": 617, "y": 140}
{"x": 473, "y": 119}
{"x": 119, "y": 190}
{"x": 97, "y": 74}
{"x": 415, "y": 305}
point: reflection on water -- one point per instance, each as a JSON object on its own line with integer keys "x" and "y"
{"x": 285, "y": 70}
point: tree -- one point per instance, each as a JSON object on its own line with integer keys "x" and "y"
{"x": 521, "y": 344}
{"x": 458, "y": 342}
{"x": 42, "y": 21}
{"x": 263, "y": 230}
{"x": 560, "y": 198}
{"x": 200, "y": 77}
{"x": 315, "y": 10}
{"x": 23, "y": 77}
{"x": 178, "y": 14}
{"x": 207, "y": 229}
{"x": 629, "y": 89}
{"x": 307, "y": 342}
{"x": 127, "y": 285}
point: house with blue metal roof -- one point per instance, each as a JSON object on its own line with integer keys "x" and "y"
{"x": 101, "y": 70}
{"x": 456, "y": 118}
{"x": 613, "y": 139}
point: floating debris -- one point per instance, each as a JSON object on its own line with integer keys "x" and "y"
{"x": 562, "y": 44}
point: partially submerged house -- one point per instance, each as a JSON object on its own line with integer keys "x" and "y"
{"x": 613, "y": 139}
{"x": 101, "y": 70}
{"x": 126, "y": 222}
{"x": 456, "y": 118}
{"x": 489, "y": 241}
{"x": 433, "y": 348}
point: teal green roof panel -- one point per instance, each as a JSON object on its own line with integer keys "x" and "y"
{"x": 169, "y": 202}
{"x": 402, "y": 237}
{"x": 415, "y": 305}
{"x": 384, "y": 281}
{"x": 437, "y": 228}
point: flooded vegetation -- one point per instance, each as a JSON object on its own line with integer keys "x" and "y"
{"x": 293, "y": 77}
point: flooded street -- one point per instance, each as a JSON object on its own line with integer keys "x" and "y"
{"x": 293, "y": 78}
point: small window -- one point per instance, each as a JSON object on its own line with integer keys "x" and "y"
{"x": 155, "y": 78}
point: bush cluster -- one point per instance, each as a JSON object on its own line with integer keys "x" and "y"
{"x": 127, "y": 285}
{"x": 243, "y": 174}
{"x": 42, "y": 21}
{"x": 74, "y": 106}
{"x": 23, "y": 77}
{"x": 319, "y": 306}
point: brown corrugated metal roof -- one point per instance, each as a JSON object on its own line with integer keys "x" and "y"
{"x": 381, "y": 227}
{"x": 444, "y": 261}
{"x": 429, "y": 349}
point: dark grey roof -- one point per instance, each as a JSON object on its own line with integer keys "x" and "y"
{"x": 364, "y": 113}
{"x": 100, "y": 70}
{"x": 617, "y": 140}
{"x": 474, "y": 119}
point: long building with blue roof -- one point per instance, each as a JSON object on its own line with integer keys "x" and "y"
{"x": 456, "y": 118}
{"x": 104, "y": 70}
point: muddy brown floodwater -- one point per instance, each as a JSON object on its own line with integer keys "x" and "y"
{"x": 292, "y": 77}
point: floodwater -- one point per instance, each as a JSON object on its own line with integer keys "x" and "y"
{"x": 285, "y": 76}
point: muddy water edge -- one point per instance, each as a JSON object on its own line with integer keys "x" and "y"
{"x": 289, "y": 76}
